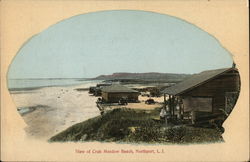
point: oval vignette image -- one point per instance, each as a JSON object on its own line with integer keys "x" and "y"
{"x": 124, "y": 76}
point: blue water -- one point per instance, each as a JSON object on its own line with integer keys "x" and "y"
{"x": 34, "y": 83}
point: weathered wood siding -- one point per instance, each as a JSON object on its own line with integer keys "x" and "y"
{"x": 219, "y": 102}
{"x": 203, "y": 104}
{"x": 216, "y": 89}
{"x": 105, "y": 96}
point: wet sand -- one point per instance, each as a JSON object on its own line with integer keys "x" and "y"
{"x": 56, "y": 108}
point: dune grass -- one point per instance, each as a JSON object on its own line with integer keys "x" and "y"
{"x": 135, "y": 126}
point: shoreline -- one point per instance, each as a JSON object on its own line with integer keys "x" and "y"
{"x": 56, "y": 108}
{"x": 59, "y": 107}
{"x": 81, "y": 82}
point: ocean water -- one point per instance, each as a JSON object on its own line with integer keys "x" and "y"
{"x": 35, "y": 83}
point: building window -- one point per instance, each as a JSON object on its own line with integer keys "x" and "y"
{"x": 203, "y": 104}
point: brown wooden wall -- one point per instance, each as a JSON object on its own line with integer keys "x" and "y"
{"x": 216, "y": 88}
{"x": 104, "y": 96}
{"x": 219, "y": 102}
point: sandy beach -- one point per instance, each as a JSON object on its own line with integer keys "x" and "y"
{"x": 55, "y": 109}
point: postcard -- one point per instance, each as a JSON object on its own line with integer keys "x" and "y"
{"x": 124, "y": 80}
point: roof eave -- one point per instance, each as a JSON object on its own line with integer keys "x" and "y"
{"x": 199, "y": 83}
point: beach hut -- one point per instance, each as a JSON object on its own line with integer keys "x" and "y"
{"x": 203, "y": 96}
{"x": 97, "y": 89}
{"x": 115, "y": 92}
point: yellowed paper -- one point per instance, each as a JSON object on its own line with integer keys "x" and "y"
{"x": 225, "y": 20}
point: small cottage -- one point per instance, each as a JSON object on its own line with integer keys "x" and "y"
{"x": 96, "y": 91}
{"x": 115, "y": 92}
{"x": 208, "y": 93}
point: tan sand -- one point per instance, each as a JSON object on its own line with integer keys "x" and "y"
{"x": 159, "y": 103}
{"x": 57, "y": 109}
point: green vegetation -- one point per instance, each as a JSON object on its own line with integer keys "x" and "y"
{"x": 135, "y": 126}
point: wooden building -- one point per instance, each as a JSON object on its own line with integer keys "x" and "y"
{"x": 115, "y": 92}
{"x": 96, "y": 91}
{"x": 210, "y": 92}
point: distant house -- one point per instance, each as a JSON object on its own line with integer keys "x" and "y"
{"x": 116, "y": 92}
{"x": 96, "y": 91}
{"x": 207, "y": 93}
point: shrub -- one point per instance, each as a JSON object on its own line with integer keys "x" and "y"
{"x": 116, "y": 126}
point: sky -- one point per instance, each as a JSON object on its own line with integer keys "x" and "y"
{"x": 105, "y": 42}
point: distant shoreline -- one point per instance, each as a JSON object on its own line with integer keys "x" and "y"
{"x": 24, "y": 89}
{"x": 30, "y": 88}
{"x": 47, "y": 78}
{"x": 39, "y": 87}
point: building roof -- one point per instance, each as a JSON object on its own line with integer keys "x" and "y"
{"x": 115, "y": 88}
{"x": 194, "y": 81}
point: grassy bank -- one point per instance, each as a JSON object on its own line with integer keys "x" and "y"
{"x": 135, "y": 126}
